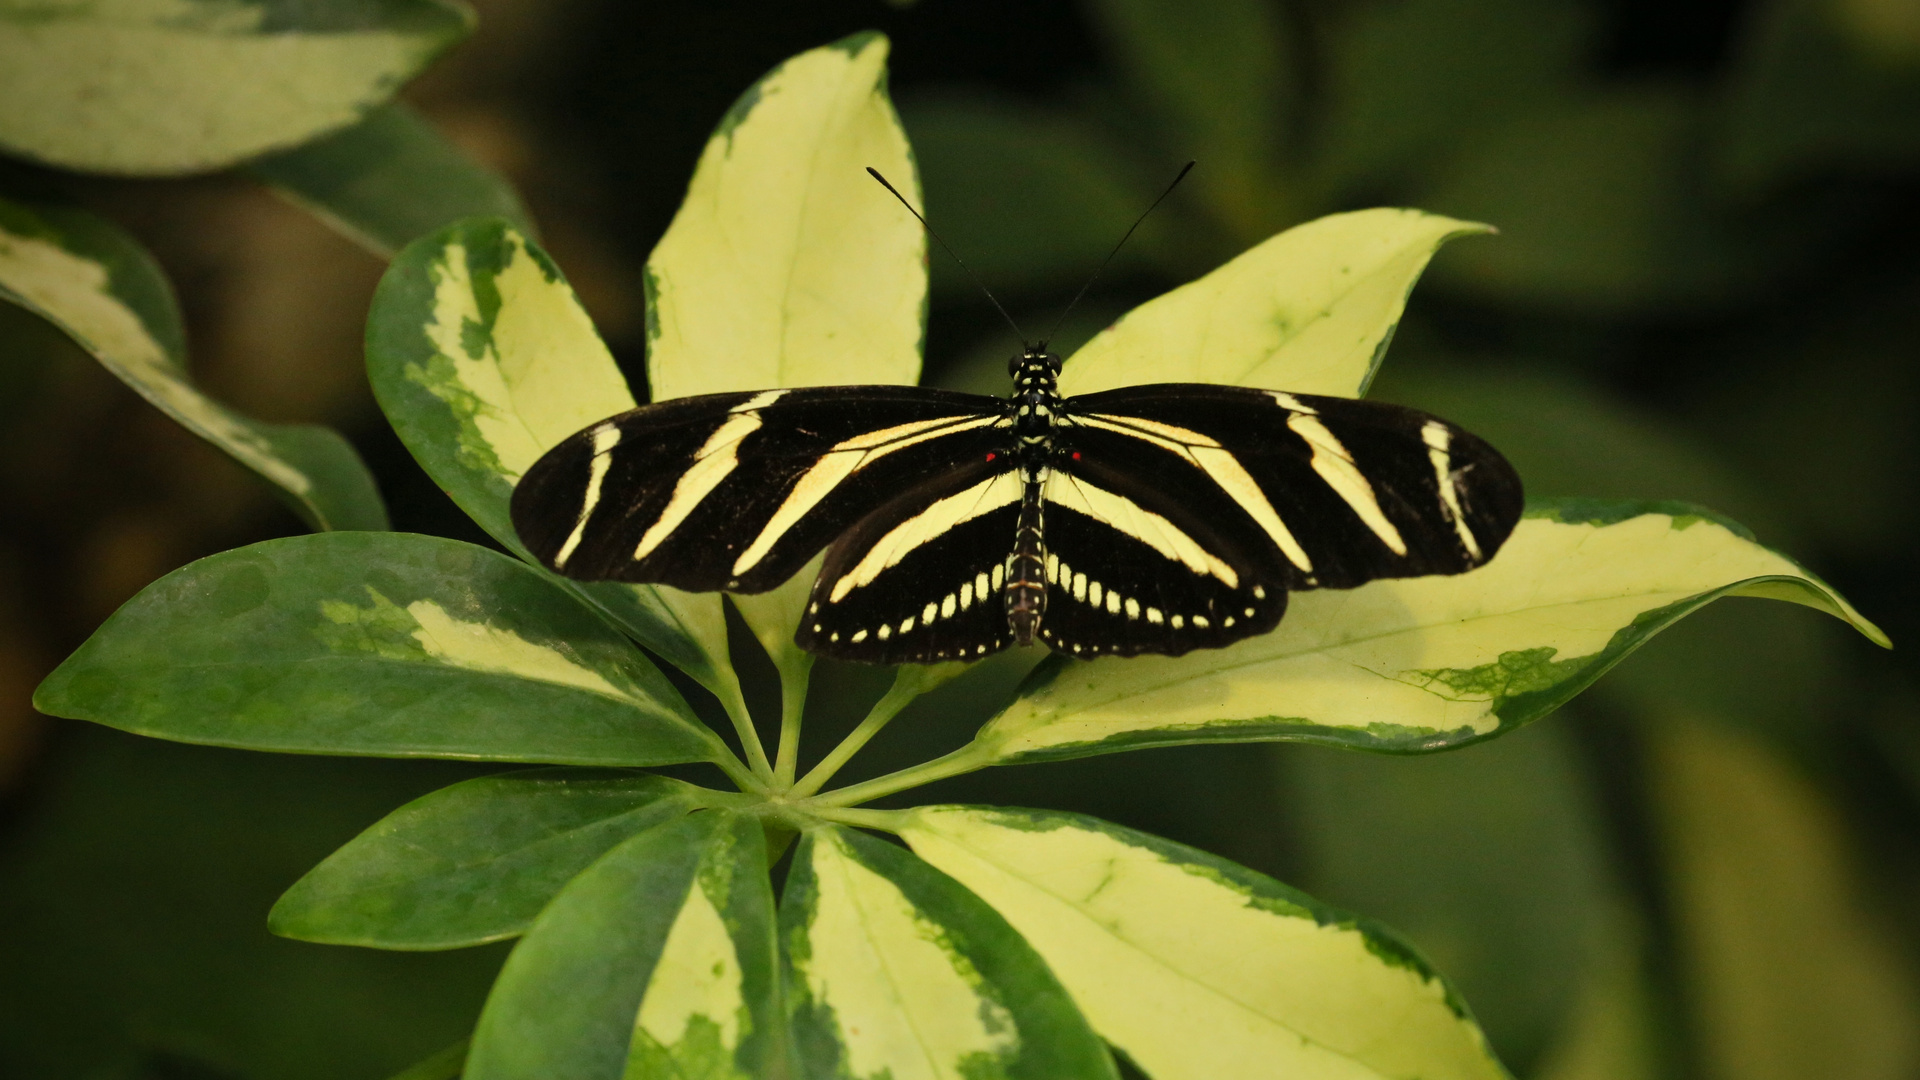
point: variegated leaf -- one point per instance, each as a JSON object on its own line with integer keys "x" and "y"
{"x": 896, "y": 971}
{"x": 474, "y": 862}
{"x": 1199, "y": 969}
{"x": 483, "y": 358}
{"x": 382, "y": 644}
{"x": 1309, "y": 311}
{"x": 150, "y": 87}
{"x": 787, "y": 265}
{"x": 656, "y": 963}
{"x": 1422, "y": 663}
{"x": 100, "y": 287}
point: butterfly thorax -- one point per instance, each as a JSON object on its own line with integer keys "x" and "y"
{"x": 1036, "y": 406}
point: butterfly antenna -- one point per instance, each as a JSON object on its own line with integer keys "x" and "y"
{"x": 1184, "y": 170}
{"x": 875, "y": 173}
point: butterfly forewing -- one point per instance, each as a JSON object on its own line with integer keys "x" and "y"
{"x": 919, "y": 580}
{"x": 1332, "y": 492}
{"x": 738, "y": 491}
{"x": 1131, "y": 569}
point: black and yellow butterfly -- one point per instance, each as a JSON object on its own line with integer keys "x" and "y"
{"x": 1148, "y": 519}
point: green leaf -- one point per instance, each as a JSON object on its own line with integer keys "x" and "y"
{"x": 658, "y": 961}
{"x": 898, "y": 971}
{"x": 1220, "y": 77}
{"x": 382, "y": 644}
{"x": 474, "y": 862}
{"x": 100, "y": 286}
{"x": 787, "y": 265}
{"x": 1199, "y": 968}
{"x": 483, "y": 358}
{"x": 1790, "y": 972}
{"x": 1310, "y": 311}
{"x": 389, "y": 180}
{"x": 1422, "y": 664}
{"x": 161, "y": 87}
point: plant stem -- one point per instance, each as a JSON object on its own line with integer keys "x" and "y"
{"x": 793, "y": 705}
{"x": 736, "y": 705}
{"x": 906, "y": 686}
{"x": 886, "y": 820}
{"x": 737, "y": 771}
{"x": 969, "y": 758}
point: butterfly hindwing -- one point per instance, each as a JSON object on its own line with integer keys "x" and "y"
{"x": 738, "y": 491}
{"x": 1131, "y": 569}
{"x": 919, "y": 580}
{"x": 1334, "y": 491}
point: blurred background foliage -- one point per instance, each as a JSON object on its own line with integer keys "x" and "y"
{"x": 1704, "y": 288}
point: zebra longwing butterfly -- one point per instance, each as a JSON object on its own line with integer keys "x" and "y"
{"x": 1148, "y": 519}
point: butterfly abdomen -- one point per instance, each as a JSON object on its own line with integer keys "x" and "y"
{"x": 1025, "y": 595}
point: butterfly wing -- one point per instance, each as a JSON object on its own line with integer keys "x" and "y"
{"x": 1130, "y": 571}
{"x": 919, "y": 580}
{"x": 1337, "y": 491}
{"x": 738, "y": 491}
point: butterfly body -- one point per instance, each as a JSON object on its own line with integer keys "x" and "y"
{"x": 1036, "y": 407}
{"x": 1152, "y": 519}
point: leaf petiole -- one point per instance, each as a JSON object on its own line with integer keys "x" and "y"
{"x": 969, "y": 758}
{"x": 908, "y": 683}
{"x": 794, "y": 677}
{"x": 761, "y": 776}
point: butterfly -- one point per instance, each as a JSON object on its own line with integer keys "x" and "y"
{"x": 1147, "y": 519}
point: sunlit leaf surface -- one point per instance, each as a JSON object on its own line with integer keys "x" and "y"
{"x": 175, "y": 86}
{"x": 103, "y": 289}
{"x": 1198, "y": 968}
{"x": 899, "y": 972}
{"x": 658, "y": 962}
{"x": 474, "y": 862}
{"x": 1422, "y": 663}
{"x": 382, "y": 644}
{"x": 1310, "y": 311}
{"x": 787, "y": 265}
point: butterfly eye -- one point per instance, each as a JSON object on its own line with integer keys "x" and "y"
{"x": 1013, "y": 367}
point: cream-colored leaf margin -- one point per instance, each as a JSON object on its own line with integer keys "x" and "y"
{"x": 1310, "y": 311}
{"x": 151, "y": 87}
{"x": 1199, "y": 970}
{"x": 1420, "y": 663}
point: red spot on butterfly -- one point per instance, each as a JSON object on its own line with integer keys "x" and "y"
{"x": 991, "y": 455}
{"x": 1076, "y": 455}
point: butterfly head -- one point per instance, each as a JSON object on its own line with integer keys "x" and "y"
{"x": 1034, "y": 366}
